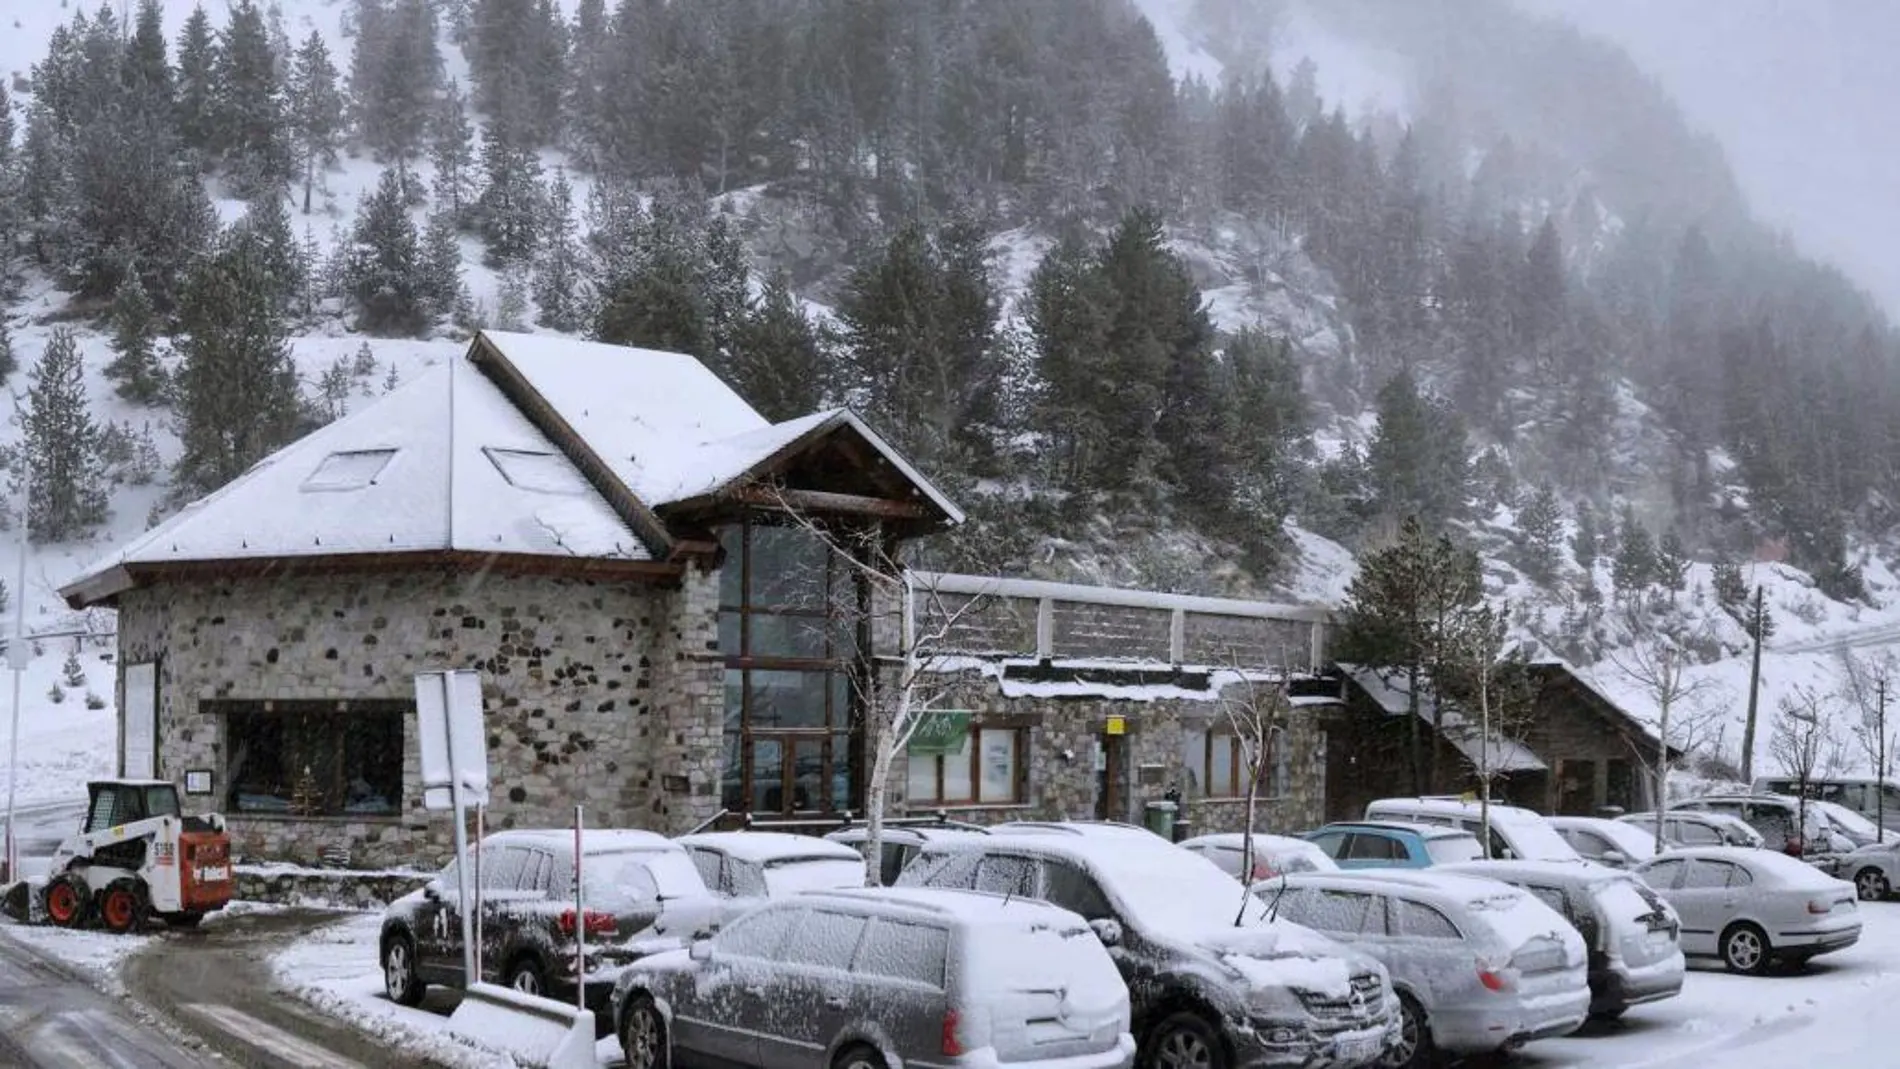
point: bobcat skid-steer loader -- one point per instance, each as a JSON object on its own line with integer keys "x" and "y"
{"x": 136, "y": 857}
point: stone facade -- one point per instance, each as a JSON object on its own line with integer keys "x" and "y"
{"x": 601, "y": 693}
{"x": 1066, "y": 732}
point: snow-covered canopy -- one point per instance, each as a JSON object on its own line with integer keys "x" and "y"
{"x": 525, "y": 445}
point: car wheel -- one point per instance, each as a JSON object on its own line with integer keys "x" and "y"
{"x": 1871, "y": 884}
{"x": 1745, "y": 949}
{"x": 1414, "y": 1048}
{"x": 401, "y": 982}
{"x": 525, "y": 976}
{"x": 859, "y": 1056}
{"x": 643, "y": 1034}
{"x": 1184, "y": 1040}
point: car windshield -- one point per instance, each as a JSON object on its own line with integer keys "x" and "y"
{"x": 620, "y": 880}
{"x": 1636, "y": 844}
{"x": 1537, "y": 841}
{"x": 1848, "y": 821}
{"x": 790, "y": 875}
{"x": 1184, "y": 891}
{"x": 1451, "y": 849}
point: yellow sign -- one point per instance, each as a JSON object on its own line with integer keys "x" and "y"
{"x": 1117, "y": 725}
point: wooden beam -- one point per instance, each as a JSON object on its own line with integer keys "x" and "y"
{"x": 463, "y": 561}
{"x": 522, "y": 394}
{"x": 823, "y": 501}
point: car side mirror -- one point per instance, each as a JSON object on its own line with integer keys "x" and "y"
{"x": 1615, "y": 857}
{"x": 701, "y": 950}
{"x": 1108, "y": 931}
{"x": 432, "y": 891}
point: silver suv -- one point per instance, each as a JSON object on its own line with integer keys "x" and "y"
{"x": 1213, "y": 982}
{"x": 868, "y": 979}
{"x": 1479, "y": 966}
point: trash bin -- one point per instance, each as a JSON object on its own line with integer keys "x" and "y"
{"x": 1183, "y": 830}
{"x": 1159, "y": 817}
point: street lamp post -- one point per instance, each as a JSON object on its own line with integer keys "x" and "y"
{"x": 16, "y": 660}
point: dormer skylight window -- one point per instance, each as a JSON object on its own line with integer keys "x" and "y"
{"x": 538, "y": 471}
{"x": 352, "y": 470}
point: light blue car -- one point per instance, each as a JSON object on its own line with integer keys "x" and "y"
{"x": 1384, "y": 844}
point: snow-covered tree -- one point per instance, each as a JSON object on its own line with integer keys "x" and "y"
{"x": 385, "y": 278}
{"x": 135, "y": 370}
{"x": 452, "y": 153}
{"x": 250, "y": 133}
{"x": 558, "y": 269}
{"x": 64, "y": 471}
{"x": 315, "y": 112}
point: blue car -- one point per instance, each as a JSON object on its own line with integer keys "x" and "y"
{"x": 1384, "y": 844}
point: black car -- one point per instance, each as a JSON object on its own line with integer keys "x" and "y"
{"x": 640, "y": 894}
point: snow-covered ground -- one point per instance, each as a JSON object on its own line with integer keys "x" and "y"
{"x": 1823, "y": 1016}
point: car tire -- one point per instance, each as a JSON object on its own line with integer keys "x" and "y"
{"x": 527, "y": 977}
{"x": 1183, "y": 1040}
{"x": 1871, "y": 884}
{"x": 401, "y": 981}
{"x": 642, "y": 1036}
{"x": 1745, "y": 949}
{"x": 859, "y": 1056}
{"x": 1415, "y": 1049}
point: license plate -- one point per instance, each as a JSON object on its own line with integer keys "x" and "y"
{"x": 1660, "y": 938}
{"x": 214, "y": 874}
{"x": 1359, "y": 1050}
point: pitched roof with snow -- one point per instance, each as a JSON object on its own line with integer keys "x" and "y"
{"x": 524, "y": 446}
{"x": 1388, "y": 689}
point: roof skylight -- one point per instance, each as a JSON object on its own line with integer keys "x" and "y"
{"x": 351, "y": 470}
{"x": 538, "y": 471}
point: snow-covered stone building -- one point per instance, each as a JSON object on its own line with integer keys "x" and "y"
{"x": 591, "y": 527}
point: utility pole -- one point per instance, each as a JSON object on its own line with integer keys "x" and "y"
{"x": 1880, "y": 758}
{"x": 1754, "y": 693}
{"x": 1664, "y": 692}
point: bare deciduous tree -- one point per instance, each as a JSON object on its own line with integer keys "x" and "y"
{"x": 1256, "y": 707}
{"x": 1869, "y": 683}
{"x": 1801, "y": 742}
{"x": 893, "y": 704}
{"x": 1655, "y": 663}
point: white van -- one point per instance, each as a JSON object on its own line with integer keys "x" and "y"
{"x": 1516, "y": 834}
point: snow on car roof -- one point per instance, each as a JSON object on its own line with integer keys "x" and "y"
{"x": 765, "y": 847}
{"x": 1624, "y": 835}
{"x": 1500, "y": 814}
{"x": 593, "y": 840}
{"x": 1772, "y": 863}
{"x": 1423, "y": 831}
{"x": 1233, "y": 840}
{"x": 1451, "y": 886}
{"x": 1538, "y": 871}
{"x": 964, "y": 907}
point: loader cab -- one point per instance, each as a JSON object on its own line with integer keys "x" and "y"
{"x": 113, "y": 803}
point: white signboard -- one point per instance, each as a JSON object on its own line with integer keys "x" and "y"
{"x": 454, "y": 743}
{"x": 138, "y": 714}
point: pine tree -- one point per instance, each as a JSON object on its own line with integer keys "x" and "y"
{"x": 728, "y": 285}
{"x": 1672, "y": 563}
{"x": 197, "y": 85}
{"x": 147, "y": 70}
{"x": 510, "y": 209}
{"x": 1634, "y": 568}
{"x": 60, "y": 447}
{"x": 9, "y": 360}
{"x": 249, "y": 127}
{"x": 315, "y": 112}
{"x": 452, "y": 153}
{"x": 1540, "y": 525}
{"x": 386, "y": 278}
{"x": 1068, "y": 310}
{"x": 1730, "y": 589}
{"x": 237, "y": 392}
{"x": 511, "y": 301}
{"x": 266, "y": 225}
{"x": 1586, "y": 545}
{"x": 1417, "y": 461}
{"x": 778, "y": 365}
{"x": 10, "y": 221}
{"x": 557, "y": 267}
{"x": 73, "y": 671}
{"x": 441, "y": 265}
{"x": 395, "y": 72}
{"x": 140, "y": 378}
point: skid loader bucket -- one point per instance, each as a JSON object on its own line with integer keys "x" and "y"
{"x": 16, "y": 901}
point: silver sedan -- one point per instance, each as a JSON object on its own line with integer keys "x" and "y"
{"x": 1752, "y": 907}
{"x": 1875, "y": 870}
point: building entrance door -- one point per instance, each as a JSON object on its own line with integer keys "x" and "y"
{"x": 1111, "y": 794}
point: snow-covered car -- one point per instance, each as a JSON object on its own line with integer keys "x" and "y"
{"x": 1272, "y": 854}
{"x": 639, "y": 894}
{"x": 1606, "y": 842}
{"x": 1752, "y": 907}
{"x": 1687, "y": 827}
{"x": 1778, "y": 817}
{"x": 1478, "y": 965}
{"x": 1856, "y": 828}
{"x": 1875, "y": 870}
{"x": 873, "y": 978}
{"x": 901, "y": 842}
{"x": 1516, "y": 833}
{"x": 1634, "y": 937}
{"x": 745, "y": 868}
{"x": 1378, "y": 844}
{"x": 1213, "y": 981}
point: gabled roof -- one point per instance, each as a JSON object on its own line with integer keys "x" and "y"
{"x": 523, "y": 447}
{"x": 1388, "y": 690}
{"x": 1599, "y": 702}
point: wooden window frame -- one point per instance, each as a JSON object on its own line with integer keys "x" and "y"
{"x": 1019, "y": 785}
{"x": 1276, "y": 757}
{"x": 340, "y": 715}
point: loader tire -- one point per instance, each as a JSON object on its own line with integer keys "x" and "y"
{"x": 122, "y": 906}
{"x": 68, "y": 900}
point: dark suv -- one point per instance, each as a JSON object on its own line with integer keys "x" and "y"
{"x": 1211, "y": 980}
{"x": 640, "y": 893}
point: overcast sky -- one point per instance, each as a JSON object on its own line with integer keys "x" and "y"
{"x": 1803, "y": 96}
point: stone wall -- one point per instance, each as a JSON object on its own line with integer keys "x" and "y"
{"x": 596, "y": 692}
{"x": 1064, "y": 734}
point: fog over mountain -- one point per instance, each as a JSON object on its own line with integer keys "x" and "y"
{"x": 1799, "y": 92}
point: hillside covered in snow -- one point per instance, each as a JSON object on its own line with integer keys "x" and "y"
{"x": 1199, "y": 295}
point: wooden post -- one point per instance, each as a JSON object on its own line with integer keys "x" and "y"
{"x": 1754, "y": 694}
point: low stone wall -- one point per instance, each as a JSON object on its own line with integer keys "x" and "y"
{"x": 329, "y": 888}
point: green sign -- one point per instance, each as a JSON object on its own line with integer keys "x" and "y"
{"x": 942, "y": 733}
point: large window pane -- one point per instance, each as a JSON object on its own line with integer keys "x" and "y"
{"x": 808, "y": 774}
{"x": 729, "y": 632}
{"x": 732, "y": 776}
{"x": 732, "y": 571}
{"x": 783, "y": 635}
{"x": 997, "y": 761}
{"x": 787, "y": 699}
{"x": 1193, "y": 762}
{"x": 1222, "y": 781}
{"x": 787, "y": 569}
{"x": 313, "y": 758}
{"x": 735, "y": 699}
{"x": 841, "y": 771}
{"x": 768, "y": 776}
{"x": 921, "y": 783}
{"x": 956, "y": 776}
